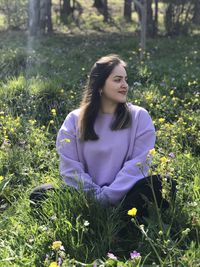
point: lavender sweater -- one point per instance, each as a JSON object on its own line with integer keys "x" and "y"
{"x": 111, "y": 165}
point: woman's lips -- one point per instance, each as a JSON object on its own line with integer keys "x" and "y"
{"x": 123, "y": 92}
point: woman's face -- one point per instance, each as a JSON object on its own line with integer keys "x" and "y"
{"x": 116, "y": 88}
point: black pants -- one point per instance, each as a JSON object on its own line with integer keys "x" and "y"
{"x": 145, "y": 190}
{"x": 148, "y": 189}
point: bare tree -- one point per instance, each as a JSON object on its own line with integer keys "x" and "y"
{"x": 34, "y": 16}
{"x": 77, "y": 11}
{"x": 65, "y": 11}
{"x": 152, "y": 17}
{"x": 45, "y": 16}
{"x": 105, "y": 11}
{"x": 149, "y": 18}
{"x": 40, "y": 17}
{"x": 155, "y": 22}
{"x": 128, "y": 10}
{"x": 178, "y": 16}
{"x": 196, "y": 10}
{"x": 102, "y": 7}
{"x": 99, "y": 4}
{"x": 143, "y": 11}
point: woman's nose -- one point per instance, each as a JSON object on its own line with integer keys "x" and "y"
{"x": 125, "y": 84}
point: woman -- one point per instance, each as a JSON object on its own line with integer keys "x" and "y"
{"x": 104, "y": 145}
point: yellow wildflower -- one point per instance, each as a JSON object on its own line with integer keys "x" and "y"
{"x": 32, "y": 122}
{"x": 161, "y": 120}
{"x": 54, "y": 264}
{"x": 132, "y": 212}
{"x": 149, "y": 96}
{"x": 51, "y": 121}
{"x": 1, "y": 178}
{"x": 164, "y": 160}
{"x": 152, "y": 152}
{"x": 56, "y": 245}
{"x": 192, "y": 83}
{"x": 53, "y": 111}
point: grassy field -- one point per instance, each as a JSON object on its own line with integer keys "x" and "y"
{"x": 41, "y": 81}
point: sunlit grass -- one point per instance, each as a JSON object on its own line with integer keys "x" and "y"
{"x": 2, "y": 22}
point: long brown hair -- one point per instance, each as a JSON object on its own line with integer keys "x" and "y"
{"x": 90, "y": 104}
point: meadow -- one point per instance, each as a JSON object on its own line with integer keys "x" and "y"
{"x": 42, "y": 80}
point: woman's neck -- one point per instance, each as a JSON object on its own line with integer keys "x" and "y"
{"x": 109, "y": 108}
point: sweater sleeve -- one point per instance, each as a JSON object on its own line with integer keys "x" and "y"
{"x": 71, "y": 169}
{"x": 137, "y": 166}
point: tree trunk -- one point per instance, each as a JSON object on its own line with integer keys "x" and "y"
{"x": 65, "y": 11}
{"x": 150, "y": 22}
{"x": 105, "y": 11}
{"x": 49, "y": 20}
{"x": 67, "y": 7}
{"x": 196, "y": 15}
{"x": 169, "y": 19}
{"x": 42, "y": 16}
{"x": 45, "y": 16}
{"x": 128, "y": 10}
{"x": 142, "y": 9}
{"x": 98, "y": 4}
{"x": 155, "y": 20}
{"x": 102, "y": 7}
{"x": 143, "y": 29}
{"x": 34, "y": 17}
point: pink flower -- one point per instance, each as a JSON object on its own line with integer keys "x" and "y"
{"x": 134, "y": 255}
{"x": 172, "y": 155}
{"x": 111, "y": 256}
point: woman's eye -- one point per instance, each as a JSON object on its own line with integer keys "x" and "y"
{"x": 117, "y": 80}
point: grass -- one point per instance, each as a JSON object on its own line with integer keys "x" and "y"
{"x": 40, "y": 75}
